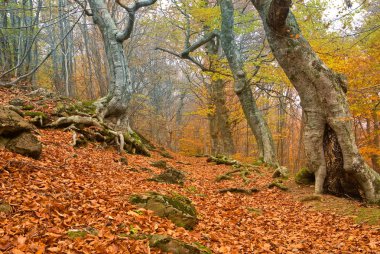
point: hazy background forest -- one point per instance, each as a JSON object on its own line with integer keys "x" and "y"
{"x": 54, "y": 45}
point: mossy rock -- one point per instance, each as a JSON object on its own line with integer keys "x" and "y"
{"x": 171, "y": 245}
{"x": 12, "y": 123}
{"x": 281, "y": 172}
{"x": 159, "y": 164}
{"x": 25, "y": 144}
{"x": 5, "y": 208}
{"x": 177, "y": 208}
{"x": 304, "y": 176}
{"x": 170, "y": 175}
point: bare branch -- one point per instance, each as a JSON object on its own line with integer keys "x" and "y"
{"x": 126, "y": 34}
{"x": 9, "y": 84}
{"x": 194, "y": 61}
{"x": 201, "y": 41}
{"x": 86, "y": 11}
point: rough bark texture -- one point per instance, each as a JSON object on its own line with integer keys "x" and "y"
{"x": 113, "y": 107}
{"x": 329, "y": 138}
{"x": 220, "y": 128}
{"x": 243, "y": 90}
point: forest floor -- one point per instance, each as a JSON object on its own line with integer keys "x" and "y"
{"x": 89, "y": 188}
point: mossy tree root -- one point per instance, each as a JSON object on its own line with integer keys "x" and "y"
{"x": 90, "y": 129}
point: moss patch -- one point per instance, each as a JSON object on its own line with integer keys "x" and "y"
{"x": 159, "y": 164}
{"x": 27, "y": 107}
{"x": 304, "y": 176}
{"x": 5, "y": 208}
{"x": 76, "y": 233}
{"x": 175, "y": 207}
{"x": 81, "y": 233}
{"x": 36, "y": 114}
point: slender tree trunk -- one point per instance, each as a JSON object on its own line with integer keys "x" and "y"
{"x": 329, "y": 137}
{"x": 255, "y": 119}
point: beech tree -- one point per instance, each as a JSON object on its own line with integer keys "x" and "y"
{"x": 242, "y": 86}
{"x": 328, "y": 131}
{"x": 113, "y": 107}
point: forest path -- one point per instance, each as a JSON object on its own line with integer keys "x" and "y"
{"x": 89, "y": 188}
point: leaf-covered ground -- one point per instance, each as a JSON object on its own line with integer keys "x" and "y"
{"x": 88, "y": 189}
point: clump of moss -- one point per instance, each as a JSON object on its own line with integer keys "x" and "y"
{"x": 304, "y": 176}
{"x": 81, "y": 233}
{"x": 255, "y": 211}
{"x": 159, "y": 164}
{"x": 181, "y": 203}
{"x": 27, "y": 107}
{"x": 76, "y": 233}
{"x": 36, "y": 114}
{"x": 5, "y": 208}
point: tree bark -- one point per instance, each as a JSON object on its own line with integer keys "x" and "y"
{"x": 255, "y": 119}
{"x": 113, "y": 107}
{"x": 220, "y": 128}
{"x": 376, "y": 141}
{"x": 329, "y": 138}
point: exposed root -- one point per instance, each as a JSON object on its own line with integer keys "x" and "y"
{"x": 244, "y": 172}
{"x": 93, "y": 130}
{"x": 76, "y": 120}
{"x": 222, "y": 160}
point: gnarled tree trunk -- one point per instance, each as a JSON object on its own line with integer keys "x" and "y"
{"x": 242, "y": 89}
{"x": 328, "y": 135}
{"x": 113, "y": 107}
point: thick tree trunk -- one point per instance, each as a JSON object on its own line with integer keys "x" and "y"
{"x": 329, "y": 138}
{"x": 220, "y": 128}
{"x": 376, "y": 141}
{"x": 113, "y": 107}
{"x": 243, "y": 90}
{"x": 221, "y": 111}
